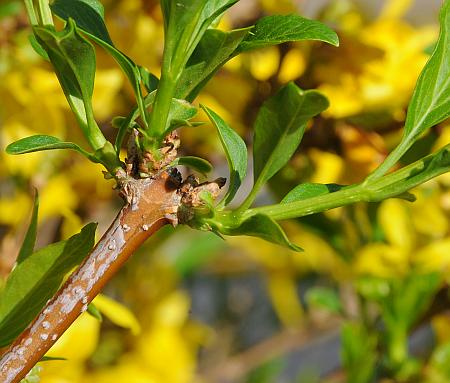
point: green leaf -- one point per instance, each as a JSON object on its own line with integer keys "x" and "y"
{"x": 213, "y": 51}
{"x": 216, "y": 47}
{"x": 430, "y": 102}
{"x": 149, "y": 80}
{"x": 277, "y": 29}
{"x": 279, "y": 128}
{"x": 187, "y": 21}
{"x": 42, "y": 142}
{"x": 73, "y": 59}
{"x": 235, "y": 150}
{"x": 88, "y": 15}
{"x": 323, "y": 297}
{"x": 94, "y": 312}
{"x": 180, "y": 113}
{"x": 309, "y": 190}
{"x": 196, "y": 163}
{"x": 38, "y": 47}
{"x": 30, "y": 237}
{"x": 51, "y": 358}
{"x": 36, "y": 279}
{"x": 261, "y": 226}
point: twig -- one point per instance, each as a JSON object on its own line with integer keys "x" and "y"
{"x": 153, "y": 203}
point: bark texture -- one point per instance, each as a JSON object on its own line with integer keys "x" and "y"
{"x": 152, "y": 203}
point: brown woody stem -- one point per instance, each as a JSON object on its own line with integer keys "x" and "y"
{"x": 154, "y": 203}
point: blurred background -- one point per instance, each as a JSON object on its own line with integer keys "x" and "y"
{"x": 368, "y": 300}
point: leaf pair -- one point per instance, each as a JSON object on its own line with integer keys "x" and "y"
{"x": 89, "y": 17}
{"x": 37, "y": 276}
{"x": 217, "y": 47}
{"x": 180, "y": 114}
{"x": 279, "y": 128}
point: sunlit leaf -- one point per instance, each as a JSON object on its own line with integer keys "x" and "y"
{"x": 279, "y": 128}
{"x": 235, "y": 150}
{"x": 277, "y": 29}
{"x": 89, "y": 17}
{"x": 94, "y": 312}
{"x": 179, "y": 114}
{"x": 213, "y": 51}
{"x": 261, "y": 226}
{"x": 41, "y": 142}
{"x": 430, "y": 103}
{"x": 186, "y": 22}
{"x": 117, "y": 313}
{"x": 36, "y": 279}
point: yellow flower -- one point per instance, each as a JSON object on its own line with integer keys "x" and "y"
{"x": 117, "y": 313}
{"x": 381, "y": 73}
{"x": 292, "y": 66}
{"x": 417, "y": 237}
{"x": 263, "y": 63}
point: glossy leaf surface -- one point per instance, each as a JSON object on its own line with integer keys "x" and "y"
{"x": 279, "y": 128}
{"x": 235, "y": 150}
{"x": 277, "y": 29}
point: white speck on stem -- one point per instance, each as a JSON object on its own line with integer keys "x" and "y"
{"x": 43, "y": 336}
{"x": 46, "y": 325}
{"x": 54, "y": 336}
{"x": 126, "y": 228}
{"x": 84, "y": 308}
{"x": 145, "y": 227}
{"x": 85, "y": 300}
{"x": 134, "y": 204}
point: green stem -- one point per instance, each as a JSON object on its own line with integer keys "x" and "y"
{"x": 251, "y": 197}
{"x": 161, "y": 105}
{"x": 175, "y": 56}
{"x": 390, "y": 161}
{"x": 45, "y": 12}
{"x": 391, "y": 185}
{"x": 31, "y": 12}
{"x": 92, "y": 132}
